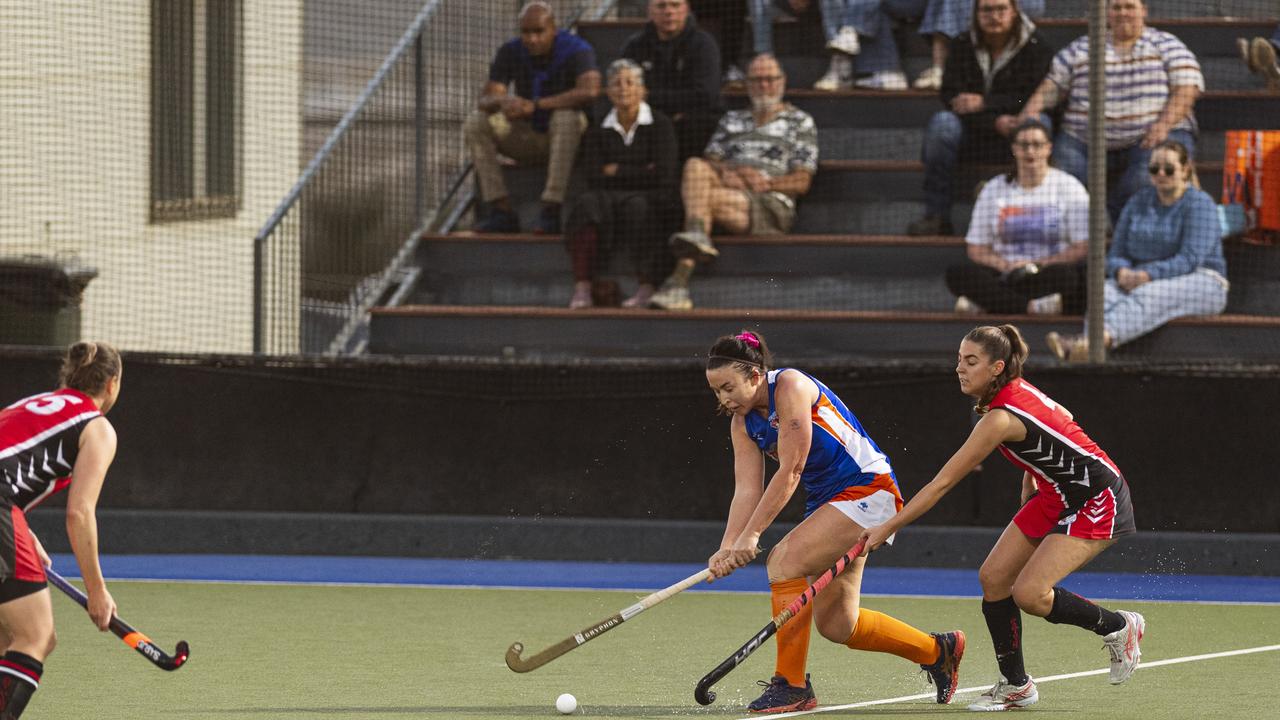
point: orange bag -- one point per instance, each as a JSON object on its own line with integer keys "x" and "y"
{"x": 1251, "y": 179}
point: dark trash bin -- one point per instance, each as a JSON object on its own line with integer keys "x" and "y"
{"x": 40, "y": 300}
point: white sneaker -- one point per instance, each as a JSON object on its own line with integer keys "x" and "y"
{"x": 839, "y": 75}
{"x": 1123, "y": 646}
{"x": 883, "y": 80}
{"x": 845, "y": 41}
{"x": 930, "y": 79}
{"x": 1004, "y": 696}
{"x": 671, "y": 297}
{"x": 734, "y": 76}
{"x": 1047, "y": 305}
{"x": 965, "y": 306}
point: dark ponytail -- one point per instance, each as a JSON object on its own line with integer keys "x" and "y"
{"x": 1000, "y": 343}
{"x": 746, "y": 351}
{"x": 88, "y": 366}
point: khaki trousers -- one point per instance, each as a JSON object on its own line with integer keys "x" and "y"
{"x": 486, "y": 135}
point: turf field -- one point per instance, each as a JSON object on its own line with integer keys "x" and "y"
{"x": 271, "y": 652}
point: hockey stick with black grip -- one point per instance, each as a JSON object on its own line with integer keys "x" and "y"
{"x": 703, "y": 692}
{"x": 122, "y": 630}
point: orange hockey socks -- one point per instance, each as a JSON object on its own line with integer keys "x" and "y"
{"x": 793, "y": 638}
{"x": 880, "y": 633}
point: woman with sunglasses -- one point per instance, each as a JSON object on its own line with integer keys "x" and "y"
{"x": 1165, "y": 260}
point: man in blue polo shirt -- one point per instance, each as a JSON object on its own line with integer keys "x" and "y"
{"x": 555, "y": 77}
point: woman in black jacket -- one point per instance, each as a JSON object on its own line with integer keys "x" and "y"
{"x": 991, "y": 71}
{"x": 630, "y": 163}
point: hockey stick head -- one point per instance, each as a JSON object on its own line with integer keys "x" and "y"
{"x": 513, "y": 657}
{"x": 152, "y": 652}
{"x": 703, "y": 693}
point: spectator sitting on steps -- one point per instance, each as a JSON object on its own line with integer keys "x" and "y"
{"x": 630, "y": 163}
{"x": 1028, "y": 237}
{"x": 758, "y": 162}
{"x": 991, "y": 71}
{"x": 555, "y": 78}
{"x": 1165, "y": 260}
{"x": 682, "y": 69}
{"x": 1152, "y": 84}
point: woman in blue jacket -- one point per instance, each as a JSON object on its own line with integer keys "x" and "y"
{"x": 1165, "y": 259}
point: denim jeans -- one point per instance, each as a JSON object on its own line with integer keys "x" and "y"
{"x": 954, "y": 17}
{"x": 945, "y": 139}
{"x": 1275, "y": 38}
{"x": 1126, "y": 167}
{"x": 1128, "y": 316}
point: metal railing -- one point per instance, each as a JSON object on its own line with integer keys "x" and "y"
{"x": 342, "y": 240}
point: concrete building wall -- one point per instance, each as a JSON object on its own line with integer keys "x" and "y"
{"x": 75, "y": 155}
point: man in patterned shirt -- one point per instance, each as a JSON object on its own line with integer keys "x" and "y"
{"x": 758, "y": 162}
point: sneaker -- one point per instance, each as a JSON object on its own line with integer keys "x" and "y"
{"x": 671, "y": 297}
{"x": 930, "y": 79}
{"x": 779, "y": 696}
{"x": 883, "y": 80}
{"x": 1123, "y": 645}
{"x": 1263, "y": 56}
{"x": 641, "y": 299}
{"x": 1245, "y": 48}
{"x": 930, "y": 225}
{"x": 548, "y": 221}
{"x": 839, "y": 75}
{"x": 1047, "y": 305}
{"x": 1004, "y": 696}
{"x": 581, "y": 297}
{"x": 734, "y": 76}
{"x": 965, "y": 306}
{"x": 498, "y": 221}
{"x": 693, "y": 244}
{"x": 845, "y": 41}
{"x": 945, "y": 673}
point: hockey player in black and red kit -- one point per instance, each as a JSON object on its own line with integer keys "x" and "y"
{"x": 1075, "y": 503}
{"x": 48, "y": 442}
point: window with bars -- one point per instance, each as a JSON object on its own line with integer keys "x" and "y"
{"x": 195, "y": 109}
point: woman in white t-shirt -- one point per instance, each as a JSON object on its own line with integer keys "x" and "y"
{"x": 1028, "y": 237}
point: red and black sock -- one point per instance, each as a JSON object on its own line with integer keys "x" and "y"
{"x": 1071, "y": 609}
{"x": 19, "y": 678}
{"x": 1004, "y": 621}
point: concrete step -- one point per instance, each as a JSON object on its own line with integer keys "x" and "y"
{"x": 905, "y": 143}
{"x": 797, "y": 271}
{"x": 1215, "y": 110}
{"x": 545, "y": 333}
{"x": 861, "y": 197}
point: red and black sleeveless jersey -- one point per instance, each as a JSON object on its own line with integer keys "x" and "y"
{"x": 39, "y": 442}
{"x": 1065, "y": 462}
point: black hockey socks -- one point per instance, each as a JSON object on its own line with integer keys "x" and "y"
{"x": 1004, "y": 621}
{"x": 1071, "y": 609}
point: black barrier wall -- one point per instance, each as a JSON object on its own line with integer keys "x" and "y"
{"x": 629, "y": 440}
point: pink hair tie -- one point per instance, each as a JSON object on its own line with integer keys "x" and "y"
{"x": 749, "y": 339}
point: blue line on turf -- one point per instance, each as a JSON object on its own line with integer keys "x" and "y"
{"x": 635, "y": 576}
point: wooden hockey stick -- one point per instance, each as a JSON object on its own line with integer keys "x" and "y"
{"x": 537, "y": 660}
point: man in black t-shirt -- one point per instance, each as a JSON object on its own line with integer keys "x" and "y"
{"x": 555, "y": 77}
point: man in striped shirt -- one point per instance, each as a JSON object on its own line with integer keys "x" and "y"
{"x": 1153, "y": 81}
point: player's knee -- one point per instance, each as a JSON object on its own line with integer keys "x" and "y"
{"x": 992, "y": 580}
{"x": 835, "y": 627}
{"x": 1033, "y": 599}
